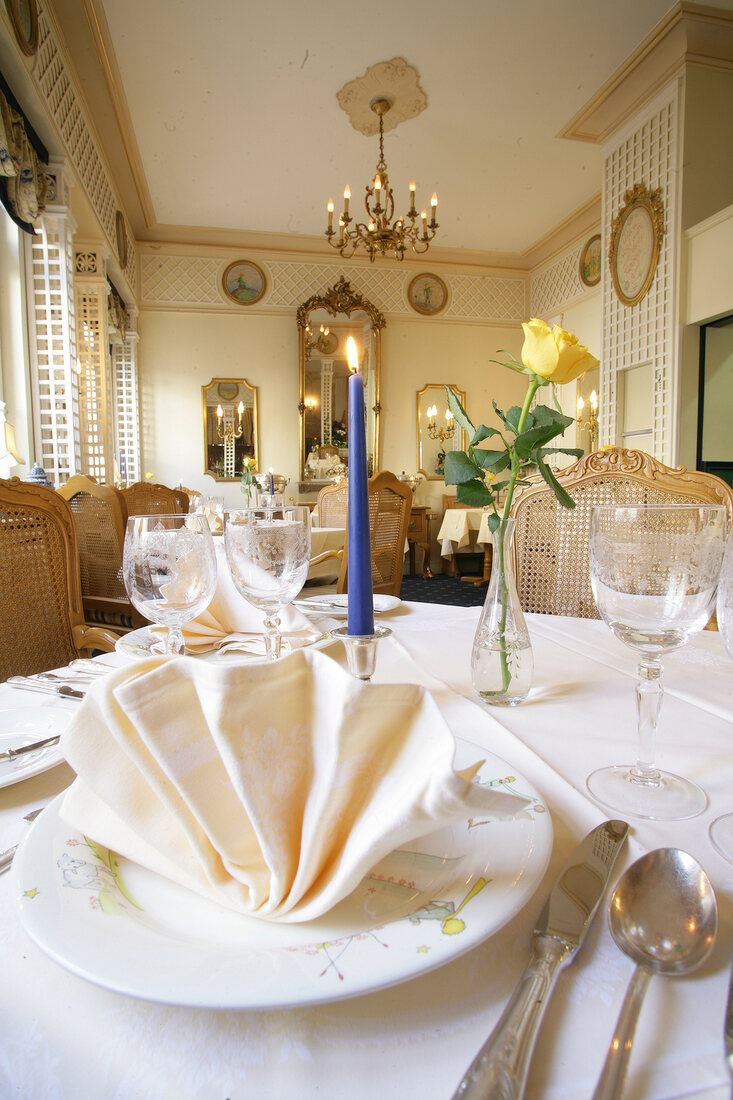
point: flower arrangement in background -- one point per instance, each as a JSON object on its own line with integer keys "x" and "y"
{"x": 440, "y": 463}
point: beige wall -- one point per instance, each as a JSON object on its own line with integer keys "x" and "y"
{"x": 181, "y": 352}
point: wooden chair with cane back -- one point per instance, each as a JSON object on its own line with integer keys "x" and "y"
{"x": 43, "y": 623}
{"x": 332, "y": 503}
{"x": 100, "y": 515}
{"x": 551, "y": 542}
{"x": 144, "y": 498}
{"x": 390, "y": 502}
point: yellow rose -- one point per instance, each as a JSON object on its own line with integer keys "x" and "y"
{"x": 553, "y": 353}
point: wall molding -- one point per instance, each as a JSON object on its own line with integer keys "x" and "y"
{"x": 191, "y": 281}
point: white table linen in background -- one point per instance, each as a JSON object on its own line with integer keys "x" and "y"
{"x": 65, "y": 1038}
{"x": 463, "y": 527}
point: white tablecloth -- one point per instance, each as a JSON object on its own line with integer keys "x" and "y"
{"x": 463, "y": 527}
{"x": 64, "y": 1038}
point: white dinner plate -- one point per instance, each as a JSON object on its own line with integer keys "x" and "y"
{"x": 23, "y": 726}
{"x": 338, "y": 606}
{"x": 126, "y": 929}
{"x": 139, "y": 643}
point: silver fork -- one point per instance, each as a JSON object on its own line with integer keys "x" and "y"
{"x": 6, "y": 858}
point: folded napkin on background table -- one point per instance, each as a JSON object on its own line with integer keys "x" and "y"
{"x": 214, "y": 517}
{"x": 270, "y": 788}
{"x": 230, "y": 623}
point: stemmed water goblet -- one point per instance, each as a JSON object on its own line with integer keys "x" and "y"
{"x": 654, "y": 572}
{"x": 169, "y": 570}
{"x": 268, "y": 551}
{"x": 721, "y": 830}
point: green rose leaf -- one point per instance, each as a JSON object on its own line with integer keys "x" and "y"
{"x": 493, "y": 461}
{"x": 481, "y": 433}
{"x": 494, "y": 520}
{"x": 458, "y": 411}
{"x": 526, "y": 443}
{"x": 475, "y": 493}
{"x": 563, "y": 497}
{"x": 459, "y": 468}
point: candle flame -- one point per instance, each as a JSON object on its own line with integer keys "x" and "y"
{"x": 351, "y": 354}
{"x": 219, "y": 412}
{"x": 593, "y": 399}
{"x": 330, "y": 206}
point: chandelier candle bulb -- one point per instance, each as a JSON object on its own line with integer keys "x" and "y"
{"x": 434, "y": 205}
{"x": 347, "y": 196}
{"x": 361, "y": 600}
{"x": 330, "y": 213}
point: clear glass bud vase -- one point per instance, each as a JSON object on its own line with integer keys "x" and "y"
{"x": 501, "y": 659}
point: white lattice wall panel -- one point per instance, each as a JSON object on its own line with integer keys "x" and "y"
{"x": 58, "y": 87}
{"x": 127, "y": 407}
{"x": 52, "y": 345}
{"x": 194, "y": 282}
{"x": 555, "y": 285}
{"x": 91, "y": 344}
{"x": 645, "y": 333}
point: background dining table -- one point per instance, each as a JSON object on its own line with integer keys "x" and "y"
{"x": 64, "y": 1037}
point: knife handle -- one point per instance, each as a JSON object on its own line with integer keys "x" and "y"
{"x": 499, "y": 1070}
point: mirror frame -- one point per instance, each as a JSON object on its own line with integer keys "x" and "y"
{"x": 340, "y": 298}
{"x": 255, "y": 426}
{"x": 461, "y": 394}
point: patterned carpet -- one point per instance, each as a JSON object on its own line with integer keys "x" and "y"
{"x": 442, "y": 589}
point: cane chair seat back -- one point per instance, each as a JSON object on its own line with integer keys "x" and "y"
{"x": 100, "y": 516}
{"x": 551, "y": 542}
{"x": 332, "y": 504}
{"x": 390, "y": 503}
{"x": 144, "y": 498}
{"x": 40, "y": 588}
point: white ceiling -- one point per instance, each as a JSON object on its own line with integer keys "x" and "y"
{"x": 236, "y": 124}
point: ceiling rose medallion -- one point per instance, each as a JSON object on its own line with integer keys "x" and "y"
{"x": 387, "y": 94}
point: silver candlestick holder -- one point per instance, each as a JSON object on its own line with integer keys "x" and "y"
{"x": 361, "y": 649}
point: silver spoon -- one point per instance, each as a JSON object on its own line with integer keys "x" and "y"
{"x": 664, "y": 916}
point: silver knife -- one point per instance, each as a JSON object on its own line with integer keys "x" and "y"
{"x": 45, "y": 687}
{"x": 499, "y": 1070}
{"x": 729, "y": 1025}
{"x": 10, "y": 754}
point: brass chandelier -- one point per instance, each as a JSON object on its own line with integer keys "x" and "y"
{"x": 381, "y": 235}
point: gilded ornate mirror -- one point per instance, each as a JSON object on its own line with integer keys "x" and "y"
{"x": 437, "y": 431}
{"x": 230, "y": 428}
{"x": 325, "y": 322}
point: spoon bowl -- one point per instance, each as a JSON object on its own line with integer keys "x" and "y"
{"x": 663, "y": 915}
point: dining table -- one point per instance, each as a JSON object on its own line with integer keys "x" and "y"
{"x": 413, "y": 1031}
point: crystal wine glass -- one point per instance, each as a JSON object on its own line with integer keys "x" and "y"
{"x": 169, "y": 570}
{"x": 268, "y": 550}
{"x": 654, "y": 572}
{"x": 721, "y": 830}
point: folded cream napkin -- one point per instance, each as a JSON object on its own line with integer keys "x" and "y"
{"x": 231, "y": 623}
{"x": 214, "y": 517}
{"x": 271, "y": 788}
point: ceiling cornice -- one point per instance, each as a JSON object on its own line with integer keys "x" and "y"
{"x": 689, "y": 34}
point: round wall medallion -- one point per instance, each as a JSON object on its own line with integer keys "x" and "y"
{"x": 121, "y": 236}
{"x": 636, "y": 240}
{"x": 427, "y": 294}
{"x": 24, "y": 18}
{"x": 244, "y": 282}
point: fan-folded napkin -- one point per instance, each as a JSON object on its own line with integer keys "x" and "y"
{"x": 271, "y": 788}
{"x": 230, "y": 622}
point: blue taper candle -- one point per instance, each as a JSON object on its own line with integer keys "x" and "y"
{"x": 361, "y": 600}
{"x": 272, "y": 483}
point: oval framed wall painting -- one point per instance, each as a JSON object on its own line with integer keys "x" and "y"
{"x": 636, "y": 240}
